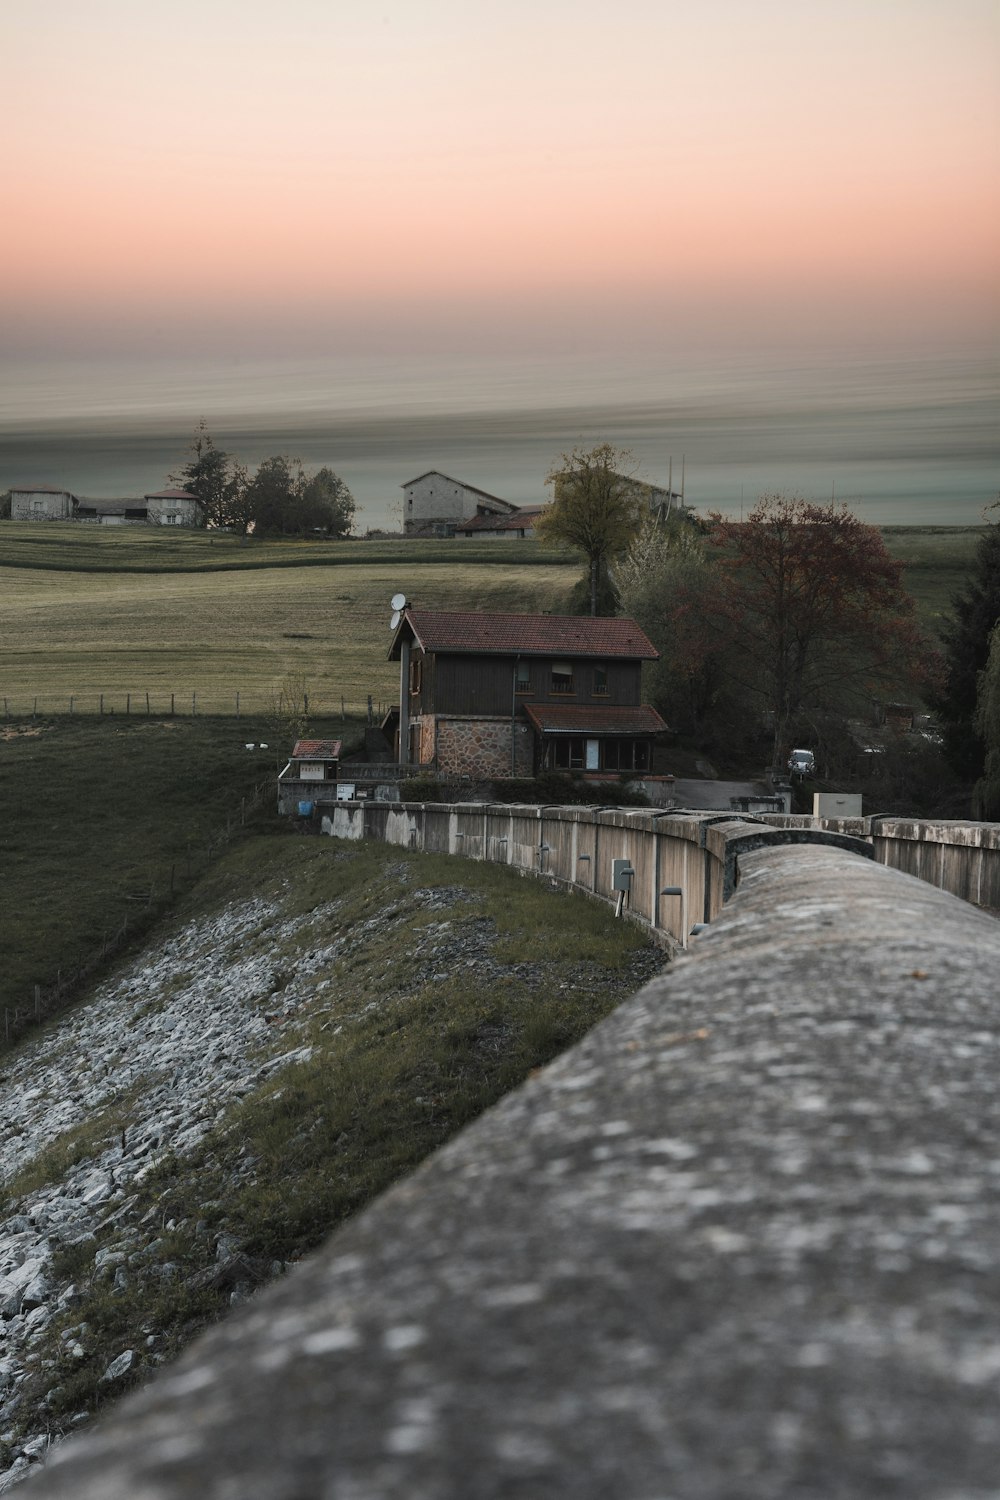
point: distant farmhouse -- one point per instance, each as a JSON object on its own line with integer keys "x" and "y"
{"x": 436, "y": 505}
{"x": 44, "y": 502}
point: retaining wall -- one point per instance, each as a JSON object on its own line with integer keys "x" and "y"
{"x": 739, "y": 1244}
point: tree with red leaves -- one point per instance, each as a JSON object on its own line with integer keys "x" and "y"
{"x": 813, "y": 610}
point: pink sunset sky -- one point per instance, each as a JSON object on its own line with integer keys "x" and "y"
{"x": 463, "y": 174}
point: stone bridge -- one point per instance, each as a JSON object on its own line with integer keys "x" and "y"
{"x": 742, "y": 1243}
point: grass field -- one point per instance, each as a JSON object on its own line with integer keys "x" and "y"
{"x": 937, "y": 559}
{"x": 128, "y": 612}
{"x": 69, "y": 632}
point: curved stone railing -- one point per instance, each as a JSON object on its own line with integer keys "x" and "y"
{"x": 740, "y": 1242}
{"x": 684, "y": 864}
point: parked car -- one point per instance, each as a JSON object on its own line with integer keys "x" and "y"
{"x": 801, "y": 762}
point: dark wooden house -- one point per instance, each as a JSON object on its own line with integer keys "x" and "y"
{"x": 488, "y": 695}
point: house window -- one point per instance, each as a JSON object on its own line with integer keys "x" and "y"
{"x": 626, "y": 755}
{"x": 600, "y": 682}
{"x": 416, "y": 673}
{"x": 522, "y": 677}
{"x": 566, "y": 754}
{"x": 562, "y": 677}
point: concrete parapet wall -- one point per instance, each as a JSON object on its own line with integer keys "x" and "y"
{"x": 740, "y": 1242}
{"x": 960, "y": 857}
{"x": 577, "y": 846}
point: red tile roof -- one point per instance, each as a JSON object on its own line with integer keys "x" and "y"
{"x": 593, "y": 718}
{"x": 316, "y": 750}
{"x": 526, "y": 517}
{"x": 487, "y": 634}
{"x": 170, "y": 495}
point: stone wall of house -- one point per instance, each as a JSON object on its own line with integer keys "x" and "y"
{"x": 40, "y": 505}
{"x": 481, "y": 747}
{"x": 173, "y": 512}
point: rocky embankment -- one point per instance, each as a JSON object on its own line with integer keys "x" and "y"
{"x": 136, "y": 1078}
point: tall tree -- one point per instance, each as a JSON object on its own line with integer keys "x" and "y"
{"x": 976, "y": 611}
{"x": 597, "y": 507}
{"x": 813, "y": 607}
{"x": 216, "y": 480}
{"x": 666, "y": 581}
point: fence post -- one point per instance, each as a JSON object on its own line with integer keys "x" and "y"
{"x": 128, "y": 704}
{"x": 102, "y": 703}
{"x": 193, "y": 700}
{"x": 34, "y": 709}
{"x": 147, "y": 705}
{"x": 171, "y": 705}
{"x": 237, "y": 705}
{"x": 71, "y": 705}
{"x": 38, "y": 1001}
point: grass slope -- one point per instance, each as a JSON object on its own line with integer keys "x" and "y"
{"x": 98, "y": 817}
{"x": 432, "y": 1011}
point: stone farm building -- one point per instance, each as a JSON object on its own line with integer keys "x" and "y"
{"x": 493, "y": 695}
{"x": 436, "y": 505}
{"x": 170, "y": 507}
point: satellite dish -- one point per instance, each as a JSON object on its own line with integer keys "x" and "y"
{"x": 398, "y": 601}
{"x": 396, "y": 617}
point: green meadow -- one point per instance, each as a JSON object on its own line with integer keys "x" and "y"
{"x": 190, "y": 621}
{"x": 124, "y": 613}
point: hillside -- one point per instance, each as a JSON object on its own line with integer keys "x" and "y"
{"x": 314, "y": 1020}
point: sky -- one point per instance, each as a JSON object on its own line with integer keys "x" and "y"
{"x": 477, "y": 176}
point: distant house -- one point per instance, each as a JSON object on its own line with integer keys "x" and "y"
{"x": 488, "y": 695}
{"x": 161, "y": 508}
{"x": 42, "y": 502}
{"x": 435, "y": 504}
{"x": 173, "y": 508}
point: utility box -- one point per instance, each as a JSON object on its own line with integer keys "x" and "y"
{"x": 622, "y": 875}
{"x": 836, "y": 804}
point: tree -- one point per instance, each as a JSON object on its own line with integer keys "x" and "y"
{"x": 272, "y": 496}
{"x": 282, "y": 500}
{"x": 814, "y": 610}
{"x": 327, "y": 504}
{"x": 966, "y": 648}
{"x": 216, "y": 479}
{"x": 667, "y": 582}
{"x": 597, "y": 507}
{"x": 986, "y": 797}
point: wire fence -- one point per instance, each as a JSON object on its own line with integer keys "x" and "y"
{"x": 170, "y": 705}
{"x": 46, "y": 1001}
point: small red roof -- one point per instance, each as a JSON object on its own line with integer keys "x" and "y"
{"x": 170, "y": 495}
{"x": 316, "y": 750}
{"x": 487, "y": 634}
{"x": 593, "y": 718}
